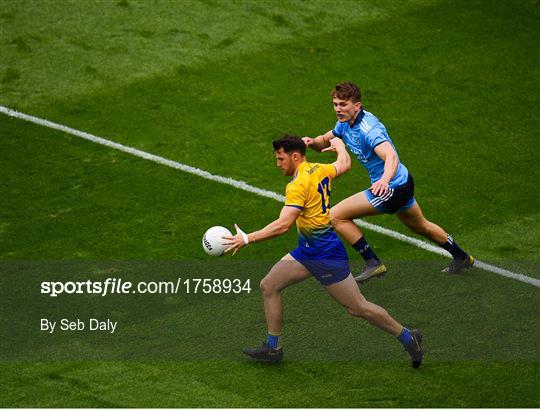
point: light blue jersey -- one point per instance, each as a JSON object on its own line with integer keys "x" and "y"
{"x": 366, "y": 133}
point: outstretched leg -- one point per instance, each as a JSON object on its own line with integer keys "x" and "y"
{"x": 415, "y": 220}
{"x": 348, "y": 295}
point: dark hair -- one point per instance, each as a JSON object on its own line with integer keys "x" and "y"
{"x": 347, "y": 91}
{"x": 290, "y": 144}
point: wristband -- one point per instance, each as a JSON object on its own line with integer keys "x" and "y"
{"x": 243, "y": 235}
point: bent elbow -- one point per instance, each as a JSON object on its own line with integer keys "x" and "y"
{"x": 283, "y": 229}
{"x": 345, "y": 166}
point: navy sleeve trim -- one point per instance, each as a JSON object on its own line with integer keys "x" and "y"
{"x": 296, "y": 206}
{"x": 379, "y": 143}
{"x": 336, "y": 134}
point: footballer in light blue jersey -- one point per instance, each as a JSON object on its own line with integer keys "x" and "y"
{"x": 392, "y": 185}
{"x": 361, "y": 138}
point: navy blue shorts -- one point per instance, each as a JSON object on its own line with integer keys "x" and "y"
{"x": 397, "y": 199}
{"x": 328, "y": 267}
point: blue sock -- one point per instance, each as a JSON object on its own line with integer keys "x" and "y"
{"x": 405, "y": 337}
{"x": 272, "y": 341}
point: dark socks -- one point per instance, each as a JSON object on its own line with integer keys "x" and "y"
{"x": 363, "y": 248}
{"x": 454, "y": 249}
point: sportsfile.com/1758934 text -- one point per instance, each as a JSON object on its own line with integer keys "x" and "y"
{"x": 117, "y": 286}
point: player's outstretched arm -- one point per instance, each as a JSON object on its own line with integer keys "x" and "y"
{"x": 286, "y": 219}
{"x": 388, "y": 154}
{"x": 343, "y": 161}
{"x": 320, "y": 142}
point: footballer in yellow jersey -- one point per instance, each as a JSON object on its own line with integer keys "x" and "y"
{"x": 319, "y": 253}
{"x": 309, "y": 191}
{"x": 319, "y": 248}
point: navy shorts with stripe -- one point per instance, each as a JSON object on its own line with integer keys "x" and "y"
{"x": 397, "y": 199}
{"x": 328, "y": 267}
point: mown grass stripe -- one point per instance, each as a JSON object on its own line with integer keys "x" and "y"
{"x": 250, "y": 188}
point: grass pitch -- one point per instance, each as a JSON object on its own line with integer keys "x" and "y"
{"x": 210, "y": 84}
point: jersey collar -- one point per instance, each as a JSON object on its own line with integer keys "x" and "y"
{"x": 300, "y": 167}
{"x": 359, "y": 117}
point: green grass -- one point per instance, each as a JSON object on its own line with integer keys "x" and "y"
{"x": 309, "y": 384}
{"x": 107, "y": 44}
{"x": 210, "y": 84}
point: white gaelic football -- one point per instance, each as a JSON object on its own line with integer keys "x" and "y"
{"x": 212, "y": 241}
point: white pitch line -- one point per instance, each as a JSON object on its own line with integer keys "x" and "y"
{"x": 143, "y": 154}
{"x": 250, "y": 188}
{"x": 435, "y": 249}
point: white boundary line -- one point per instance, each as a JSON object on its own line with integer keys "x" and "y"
{"x": 250, "y": 188}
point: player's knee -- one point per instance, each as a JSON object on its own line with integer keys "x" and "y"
{"x": 335, "y": 217}
{"x": 267, "y": 287}
{"x": 358, "y": 310}
{"x": 351, "y": 310}
{"x": 264, "y": 286}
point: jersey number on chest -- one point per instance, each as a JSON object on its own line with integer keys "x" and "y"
{"x": 324, "y": 190}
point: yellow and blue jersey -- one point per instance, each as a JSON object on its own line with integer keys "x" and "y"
{"x": 310, "y": 191}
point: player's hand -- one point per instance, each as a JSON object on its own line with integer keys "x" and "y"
{"x": 308, "y": 141}
{"x": 379, "y": 187}
{"x": 237, "y": 241}
{"x": 335, "y": 143}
